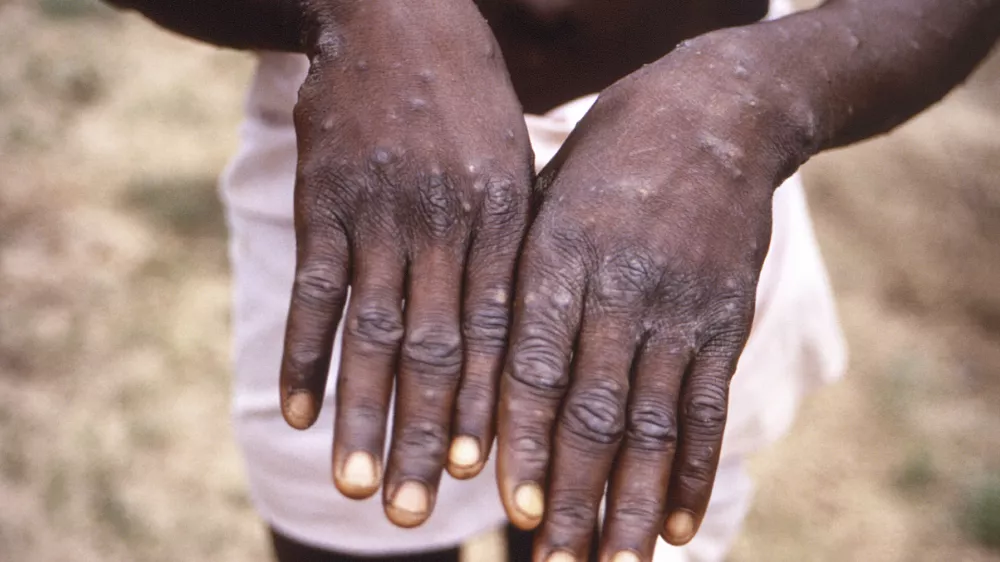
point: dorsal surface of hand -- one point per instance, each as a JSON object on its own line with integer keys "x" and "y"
{"x": 635, "y": 296}
{"x": 413, "y": 185}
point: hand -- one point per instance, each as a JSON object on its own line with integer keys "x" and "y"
{"x": 413, "y": 181}
{"x": 635, "y": 296}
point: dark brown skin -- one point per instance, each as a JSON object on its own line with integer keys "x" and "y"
{"x": 636, "y": 282}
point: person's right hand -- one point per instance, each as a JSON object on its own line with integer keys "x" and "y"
{"x": 413, "y": 183}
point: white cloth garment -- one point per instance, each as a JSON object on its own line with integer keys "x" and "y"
{"x": 795, "y": 345}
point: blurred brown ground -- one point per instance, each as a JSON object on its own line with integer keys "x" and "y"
{"x": 114, "y": 435}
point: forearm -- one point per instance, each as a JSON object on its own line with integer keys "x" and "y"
{"x": 852, "y": 69}
{"x": 278, "y": 25}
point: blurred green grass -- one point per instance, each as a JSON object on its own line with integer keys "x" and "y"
{"x": 981, "y": 519}
{"x": 72, "y": 9}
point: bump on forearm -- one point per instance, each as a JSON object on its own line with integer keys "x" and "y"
{"x": 868, "y": 66}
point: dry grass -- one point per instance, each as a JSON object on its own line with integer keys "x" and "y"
{"x": 114, "y": 435}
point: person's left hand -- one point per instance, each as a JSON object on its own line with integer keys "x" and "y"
{"x": 635, "y": 297}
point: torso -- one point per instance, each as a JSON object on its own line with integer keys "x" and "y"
{"x": 558, "y": 50}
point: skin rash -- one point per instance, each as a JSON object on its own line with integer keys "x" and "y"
{"x": 639, "y": 246}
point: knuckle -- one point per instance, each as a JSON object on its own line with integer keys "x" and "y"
{"x": 439, "y": 207}
{"x": 538, "y": 364}
{"x": 652, "y": 426}
{"x": 565, "y": 236}
{"x": 302, "y": 359}
{"x": 325, "y": 194}
{"x": 502, "y": 202}
{"x": 635, "y": 268}
{"x": 530, "y": 446}
{"x": 433, "y": 349}
{"x": 377, "y": 326}
{"x": 486, "y": 324}
{"x": 571, "y": 512}
{"x": 320, "y": 285}
{"x": 597, "y": 413}
{"x": 696, "y": 478}
{"x": 705, "y": 410}
{"x": 362, "y": 414}
{"x": 682, "y": 290}
{"x": 729, "y": 319}
{"x": 635, "y": 512}
{"x": 429, "y": 440}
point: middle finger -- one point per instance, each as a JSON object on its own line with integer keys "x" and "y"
{"x": 588, "y": 434}
{"x": 430, "y": 364}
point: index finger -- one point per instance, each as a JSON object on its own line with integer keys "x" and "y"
{"x": 546, "y": 319}
{"x": 318, "y": 295}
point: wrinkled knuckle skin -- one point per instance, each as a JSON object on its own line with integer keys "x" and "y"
{"x": 627, "y": 278}
{"x": 726, "y": 333}
{"x": 682, "y": 292}
{"x": 696, "y": 479}
{"x": 528, "y": 444}
{"x": 421, "y": 439}
{"x": 729, "y": 320}
{"x": 302, "y": 360}
{"x": 486, "y": 326}
{"x": 636, "y": 513}
{"x": 328, "y": 189}
{"x": 596, "y": 414}
{"x": 652, "y": 426}
{"x": 571, "y": 514}
{"x": 538, "y": 364}
{"x": 319, "y": 286}
{"x": 376, "y": 327}
{"x": 504, "y": 203}
{"x": 563, "y": 236}
{"x": 439, "y": 207}
{"x": 362, "y": 413}
{"x": 433, "y": 351}
{"x": 705, "y": 412}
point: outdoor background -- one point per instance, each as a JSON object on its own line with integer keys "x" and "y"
{"x": 115, "y": 442}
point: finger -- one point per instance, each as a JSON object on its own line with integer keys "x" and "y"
{"x": 546, "y": 318}
{"x": 486, "y": 314}
{"x": 637, "y": 495}
{"x": 588, "y": 434}
{"x": 372, "y": 334}
{"x": 429, "y": 367}
{"x": 318, "y": 295}
{"x": 704, "y": 403}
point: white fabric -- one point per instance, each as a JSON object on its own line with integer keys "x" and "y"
{"x": 730, "y": 503}
{"x": 795, "y": 345}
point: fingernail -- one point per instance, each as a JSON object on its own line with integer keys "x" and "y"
{"x": 529, "y": 501}
{"x": 359, "y": 473}
{"x": 561, "y": 556}
{"x": 626, "y": 556}
{"x": 410, "y": 504}
{"x": 464, "y": 452}
{"x": 300, "y": 409}
{"x": 680, "y": 527}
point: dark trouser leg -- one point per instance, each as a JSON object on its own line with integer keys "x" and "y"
{"x": 290, "y": 550}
